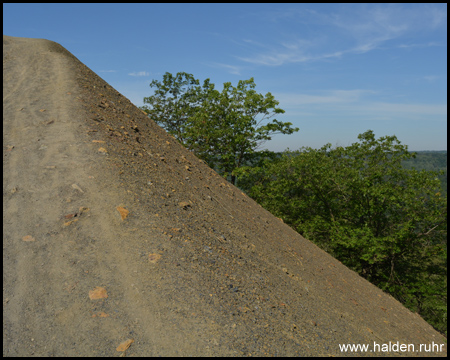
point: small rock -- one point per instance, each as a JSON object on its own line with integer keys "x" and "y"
{"x": 98, "y": 293}
{"x": 184, "y": 205}
{"x": 123, "y": 212}
{"x": 76, "y": 187}
{"x": 70, "y": 222}
{"x": 153, "y": 258}
{"x": 100, "y": 314}
{"x": 125, "y": 345}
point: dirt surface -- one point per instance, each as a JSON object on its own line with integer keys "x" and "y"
{"x": 114, "y": 232}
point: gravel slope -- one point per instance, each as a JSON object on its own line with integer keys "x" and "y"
{"x": 100, "y": 201}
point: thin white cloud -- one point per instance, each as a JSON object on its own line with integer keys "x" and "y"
{"x": 330, "y": 97}
{"x": 431, "y": 78}
{"x": 275, "y": 59}
{"x": 354, "y": 30}
{"x": 355, "y": 103}
{"x": 139, "y": 73}
{"x": 408, "y": 46}
{"x": 378, "y": 23}
{"x": 437, "y": 17}
{"x": 411, "y": 109}
{"x": 235, "y": 70}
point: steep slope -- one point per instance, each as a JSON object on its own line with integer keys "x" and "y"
{"x": 96, "y": 195}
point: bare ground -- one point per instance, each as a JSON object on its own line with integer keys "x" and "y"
{"x": 96, "y": 195}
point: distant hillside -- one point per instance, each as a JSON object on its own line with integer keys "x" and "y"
{"x": 431, "y": 161}
{"x": 425, "y": 160}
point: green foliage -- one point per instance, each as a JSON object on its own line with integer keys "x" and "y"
{"x": 362, "y": 206}
{"x": 224, "y": 128}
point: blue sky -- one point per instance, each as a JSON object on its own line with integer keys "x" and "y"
{"x": 337, "y": 70}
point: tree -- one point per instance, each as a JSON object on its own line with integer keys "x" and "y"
{"x": 359, "y": 204}
{"x": 223, "y": 128}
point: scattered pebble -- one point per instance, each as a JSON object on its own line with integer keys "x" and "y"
{"x": 153, "y": 258}
{"x": 184, "y": 204}
{"x": 123, "y": 212}
{"x": 28, "y": 238}
{"x": 76, "y": 187}
{"x": 70, "y": 222}
{"x": 98, "y": 293}
{"x": 125, "y": 345}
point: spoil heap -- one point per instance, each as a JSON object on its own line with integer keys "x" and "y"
{"x": 116, "y": 238}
